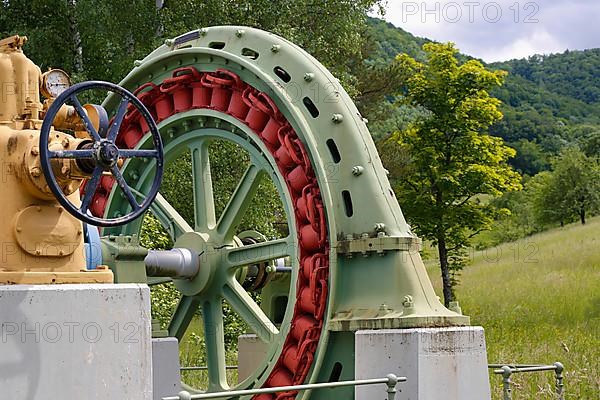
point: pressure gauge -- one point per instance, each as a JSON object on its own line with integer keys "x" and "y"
{"x": 54, "y": 82}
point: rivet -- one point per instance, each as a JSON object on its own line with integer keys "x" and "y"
{"x": 275, "y": 48}
{"x": 379, "y": 227}
{"x": 309, "y": 76}
{"x": 35, "y": 151}
{"x": 169, "y": 42}
{"x": 240, "y": 32}
{"x": 61, "y": 253}
{"x": 337, "y": 118}
{"x": 357, "y": 170}
{"x": 19, "y": 229}
{"x": 137, "y": 63}
{"x": 203, "y": 31}
{"x": 60, "y": 209}
{"x": 38, "y": 252}
{"x": 35, "y": 172}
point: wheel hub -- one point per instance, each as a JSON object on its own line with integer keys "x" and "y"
{"x": 213, "y": 273}
{"x": 107, "y": 154}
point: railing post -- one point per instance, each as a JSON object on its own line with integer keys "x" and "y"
{"x": 391, "y": 386}
{"x": 559, "y": 380}
{"x": 506, "y": 373}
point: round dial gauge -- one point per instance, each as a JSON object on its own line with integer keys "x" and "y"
{"x": 54, "y": 82}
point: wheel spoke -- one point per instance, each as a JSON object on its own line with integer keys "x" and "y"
{"x": 204, "y": 205}
{"x": 125, "y": 153}
{"x": 116, "y": 125}
{"x": 125, "y": 187}
{"x": 250, "y": 312}
{"x": 169, "y": 217}
{"x": 240, "y": 201}
{"x": 90, "y": 189}
{"x": 86, "y": 120}
{"x": 183, "y": 315}
{"x": 84, "y": 153}
{"x": 214, "y": 335}
{"x": 259, "y": 252}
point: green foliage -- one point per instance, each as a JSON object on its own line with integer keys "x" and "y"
{"x": 539, "y": 301}
{"x": 451, "y": 160}
{"x": 548, "y": 101}
{"x": 571, "y": 191}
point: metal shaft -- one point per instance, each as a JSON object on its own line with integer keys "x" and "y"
{"x": 176, "y": 263}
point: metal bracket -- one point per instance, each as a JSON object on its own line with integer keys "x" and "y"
{"x": 367, "y": 245}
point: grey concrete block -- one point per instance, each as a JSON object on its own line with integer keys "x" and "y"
{"x": 166, "y": 376}
{"x": 88, "y": 341}
{"x": 440, "y": 363}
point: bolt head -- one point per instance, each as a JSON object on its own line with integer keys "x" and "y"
{"x": 337, "y": 118}
{"x": 309, "y": 76}
{"x": 275, "y": 48}
{"x": 357, "y": 170}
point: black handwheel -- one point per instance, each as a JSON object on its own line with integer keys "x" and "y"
{"x": 101, "y": 154}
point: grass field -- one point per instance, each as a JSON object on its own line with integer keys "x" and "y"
{"x": 539, "y": 302}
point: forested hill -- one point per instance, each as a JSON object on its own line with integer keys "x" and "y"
{"x": 548, "y": 101}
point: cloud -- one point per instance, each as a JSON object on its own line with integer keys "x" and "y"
{"x": 502, "y": 29}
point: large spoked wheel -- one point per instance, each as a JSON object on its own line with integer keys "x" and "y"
{"x": 101, "y": 155}
{"x": 290, "y": 333}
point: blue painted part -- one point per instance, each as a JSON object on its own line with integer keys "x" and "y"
{"x": 93, "y": 249}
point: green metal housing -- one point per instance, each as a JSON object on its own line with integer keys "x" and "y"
{"x": 377, "y": 278}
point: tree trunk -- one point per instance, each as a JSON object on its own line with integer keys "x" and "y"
{"x": 445, "y": 267}
{"x": 76, "y": 46}
{"x": 582, "y": 215}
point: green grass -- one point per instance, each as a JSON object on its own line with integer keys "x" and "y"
{"x": 539, "y": 302}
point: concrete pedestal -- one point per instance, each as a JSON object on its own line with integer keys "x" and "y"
{"x": 166, "y": 379}
{"x": 440, "y": 363}
{"x": 87, "y": 341}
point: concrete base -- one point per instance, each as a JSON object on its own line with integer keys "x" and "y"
{"x": 440, "y": 363}
{"x": 166, "y": 377}
{"x": 87, "y": 341}
{"x": 251, "y": 352}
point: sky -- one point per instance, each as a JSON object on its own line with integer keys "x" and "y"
{"x": 502, "y": 29}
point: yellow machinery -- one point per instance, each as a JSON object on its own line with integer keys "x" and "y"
{"x": 42, "y": 173}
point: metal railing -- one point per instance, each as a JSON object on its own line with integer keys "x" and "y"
{"x": 391, "y": 381}
{"x": 506, "y": 370}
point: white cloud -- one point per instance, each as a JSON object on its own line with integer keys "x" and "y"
{"x": 502, "y": 29}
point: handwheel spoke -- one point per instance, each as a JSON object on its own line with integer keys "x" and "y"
{"x": 250, "y": 312}
{"x": 204, "y": 205}
{"x": 126, "y": 153}
{"x": 183, "y": 315}
{"x": 90, "y": 189}
{"x": 118, "y": 120}
{"x": 240, "y": 201}
{"x": 169, "y": 217}
{"x": 125, "y": 187}
{"x": 86, "y": 120}
{"x": 214, "y": 335}
{"x": 259, "y": 252}
{"x": 84, "y": 153}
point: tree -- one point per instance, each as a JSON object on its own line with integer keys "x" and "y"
{"x": 453, "y": 165}
{"x": 571, "y": 191}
